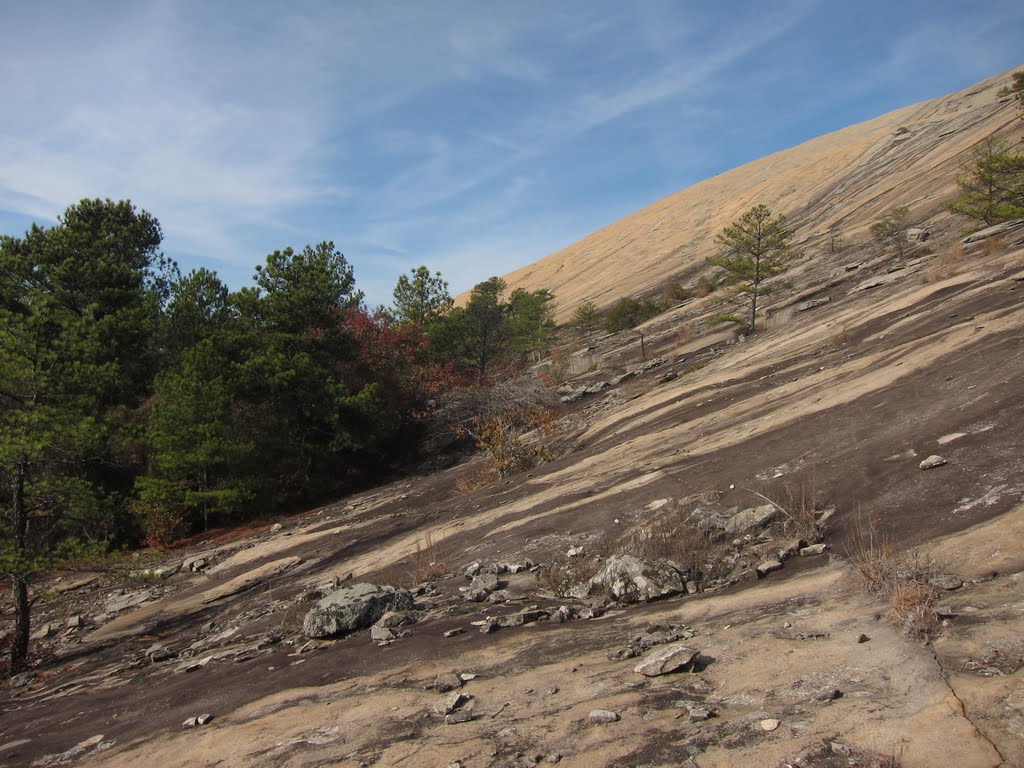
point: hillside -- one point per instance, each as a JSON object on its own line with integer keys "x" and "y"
{"x": 838, "y": 183}
{"x": 758, "y": 479}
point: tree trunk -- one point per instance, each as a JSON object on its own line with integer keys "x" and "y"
{"x": 19, "y": 582}
{"x": 19, "y": 648}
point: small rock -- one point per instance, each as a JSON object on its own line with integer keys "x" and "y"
{"x": 473, "y": 569}
{"x": 21, "y": 680}
{"x": 813, "y": 549}
{"x": 768, "y": 566}
{"x": 451, "y": 703}
{"x": 467, "y": 676}
{"x": 447, "y": 681}
{"x": 932, "y": 461}
{"x": 554, "y": 758}
{"x": 462, "y": 716}
{"x": 481, "y": 587}
{"x": 454, "y": 632}
{"x": 574, "y": 552}
{"x": 604, "y": 716}
{"x": 276, "y": 527}
{"x": 380, "y": 634}
{"x": 698, "y": 714}
{"x": 204, "y": 718}
{"x": 769, "y": 725}
{"x": 862, "y": 638}
{"x": 501, "y": 596}
{"x": 828, "y": 694}
{"x": 671, "y": 658}
{"x": 946, "y": 581}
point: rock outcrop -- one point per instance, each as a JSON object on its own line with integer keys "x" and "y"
{"x": 352, "y": 608}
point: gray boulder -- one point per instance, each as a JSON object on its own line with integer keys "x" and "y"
{"x": 629, "y": 579}
{"x": 355, "y": 607}
{"x": 481, "y": 587}
{"x": 750, "y": 519}
{"x": 710, "y": 521}
{"x": 671, "y": 658}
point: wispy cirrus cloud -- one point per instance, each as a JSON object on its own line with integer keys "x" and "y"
{"x": 427, "y": 132}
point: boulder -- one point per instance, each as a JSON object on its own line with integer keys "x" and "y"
{"x": 604, "y": 716}
{"x": 481, "y": 587}
{"x": 670, "y": 658}
{"x": 629, "y": 579}
{"x": 709, "y": 520}
{"x": 750, "y": 519}
{"x": 355, "y": 607}
{"x": 932, "y": 461}
{"x": 768, "y": 566}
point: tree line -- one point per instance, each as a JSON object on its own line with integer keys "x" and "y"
{"x": 139, "y": 404}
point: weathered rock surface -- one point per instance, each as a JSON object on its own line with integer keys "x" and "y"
{"x": 355, "y": 607}
{"x": 750, "y": 519}
{"x": 671, "y": 658}
{"x": 629, "y": 579}
{"x": 117, "y": 603}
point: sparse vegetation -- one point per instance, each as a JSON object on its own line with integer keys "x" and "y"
{"x": 708, "y": 283}
{"x": 757, "y": 246}
{"x": 1016, "y": 90}
{"x": 630, "y": 312}
{"x": 991, "y": 185}
{"x": 430, "y": 560}
{"x": 586, "y": 318}
{"x": 796, "y": 496}
{"x": 891, "y": 230}
{"x": 901, "y": 577}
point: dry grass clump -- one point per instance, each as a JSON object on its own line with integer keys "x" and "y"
{"x": 797, "y": 497}
{"x": 562, "y": 575}
{"x": 902, "y": 577}
{"x": 430, "y": 560}
{"x": 947, "y": 264}
{"x": 839, "y": 337}
{"x": 994, "y": 245}
{"x": 671, "y": 535}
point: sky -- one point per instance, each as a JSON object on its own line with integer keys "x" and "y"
{"x": 472, "y": 137}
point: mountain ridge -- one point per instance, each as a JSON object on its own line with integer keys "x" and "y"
{"x": 842, "y": 181}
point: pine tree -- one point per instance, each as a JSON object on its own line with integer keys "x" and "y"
{"x": 757, "y": 250}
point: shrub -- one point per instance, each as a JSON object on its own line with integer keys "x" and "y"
{"x": 902, "y": 577}
{"x": 631, "y": 312}
{"x": 500, "y": 438}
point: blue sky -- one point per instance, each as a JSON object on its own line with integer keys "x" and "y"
{"x": 474, "y": 137}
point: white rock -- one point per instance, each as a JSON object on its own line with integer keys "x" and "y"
{"x": 769, "y": 725}
{"x": 932, "y": 461}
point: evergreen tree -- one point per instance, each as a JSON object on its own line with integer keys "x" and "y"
{"x": 531, "y": 316}
{"x": 991, "y": 185}
{"x": 79, "y": 306}
{"x": 757, "y": 247}
{"x": 891, "y": 229}
{"x": 421, "y": 299}
{"x": 586, "y": 318}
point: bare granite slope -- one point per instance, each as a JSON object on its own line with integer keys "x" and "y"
{"x": 838, "y": 182}
{"x": 888, "y": 392}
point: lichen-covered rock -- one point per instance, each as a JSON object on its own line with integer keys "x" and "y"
{"x": 629, "y": 579}
{"x": 352, "y": 608}
{"x": 750, "y": 519}
{"x": 670, "y": 658}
